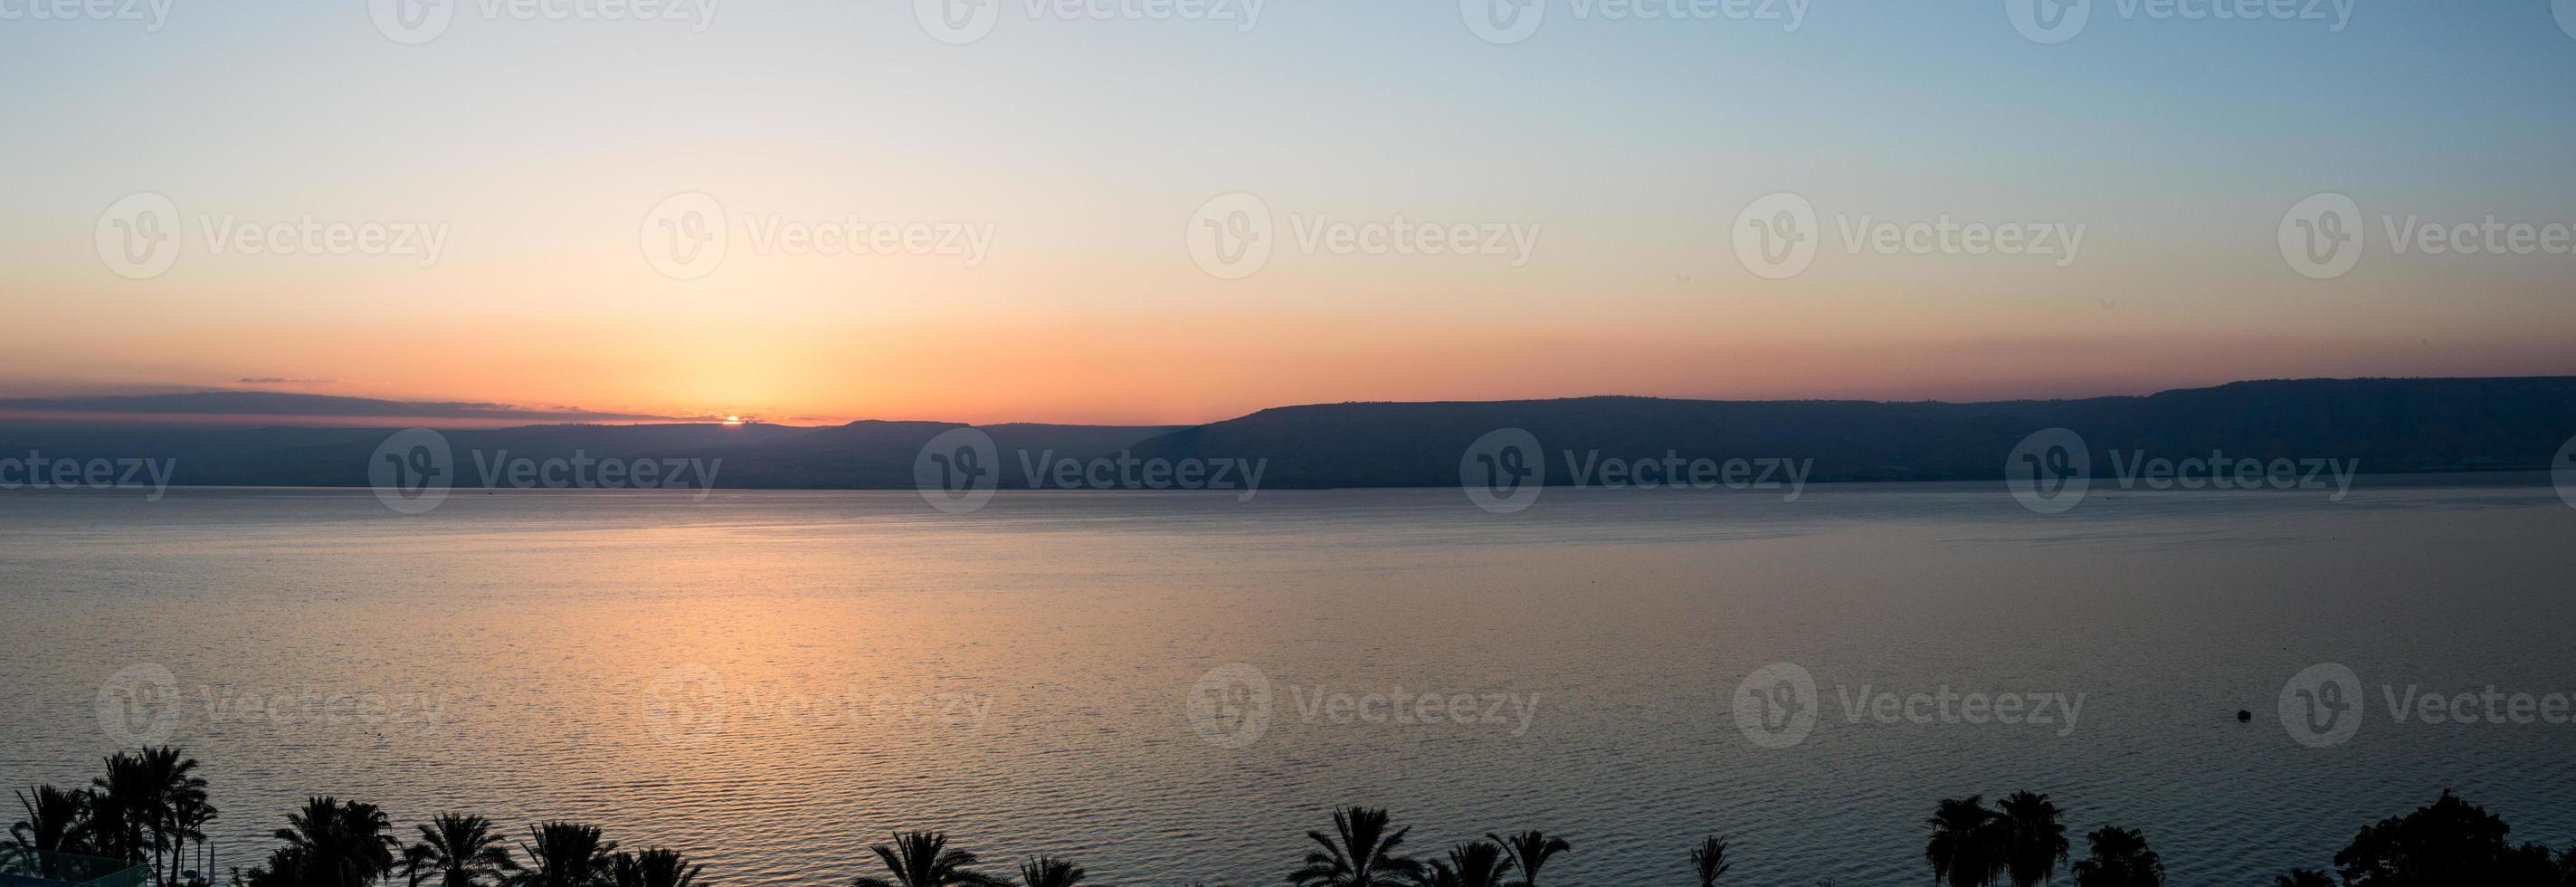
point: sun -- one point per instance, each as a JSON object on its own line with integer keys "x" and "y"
{"x": 733, "y": 420}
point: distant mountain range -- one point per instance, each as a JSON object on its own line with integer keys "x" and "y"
{"x": 2388, "y": 425}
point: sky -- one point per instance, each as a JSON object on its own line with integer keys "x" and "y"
{"x": 1173, "y": 211}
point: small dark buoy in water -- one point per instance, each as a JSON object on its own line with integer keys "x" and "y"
{"x": 2243, "y": 716}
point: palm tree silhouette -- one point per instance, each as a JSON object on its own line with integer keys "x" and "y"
{"x": 465, "y": 851}
{"x": 2303, "y": 878}
{"x": 334, "y": 843}
{"x": 565, "y": 854}
{"x": 56, "y": 820}
{"x": 1049, "y": 871}
{"x": 416, "y": 865}
{"x": 1708, "y": 860}
{"x": 1360, "y": 853}
{"x": 655, "y": 867}
{"x": 1967, "y": 847}
{"x": 1529, "y": 851}
{"x": 922, "y": 859}
{"x": 2034, "y": 841}
{"x": 2119, "y": 858}
{"x": 1473, "y": 864}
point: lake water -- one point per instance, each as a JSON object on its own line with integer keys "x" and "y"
{"x": 771, "y": 680}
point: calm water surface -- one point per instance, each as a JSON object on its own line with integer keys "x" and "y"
{"x": 771, "y": 680}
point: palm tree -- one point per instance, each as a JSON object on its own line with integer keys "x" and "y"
{"x": 1360, "y": 853}
{"x": 1967, "y": 848}
{"x": 655, "y": 867}
{"x": 2120, "y": 858}
{"x": 56, "y": 820}
{"x": 120, "y": 813}
{"x": 1529, "y": 851}
{"x": 566, "y": 854}
{"x": 334, "y": 843}
{"x": 417, "y": 864}
{"x": 2034, "y": 841}
{"x": 1709, "y": 860}
{"x": 2303, "y": 878}
{"x": 922, "y": 859}
{"x": 1049, "y": 871}
{"x": 1473, "y": 864}
{"x": 465, "y": 851}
